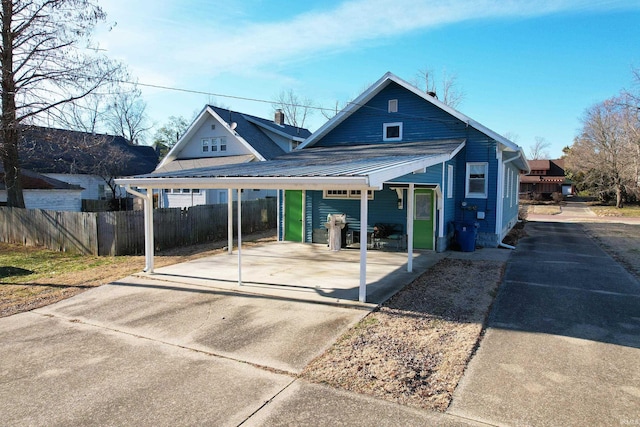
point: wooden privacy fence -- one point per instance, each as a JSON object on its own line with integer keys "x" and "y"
{"x": 122, "y": 233}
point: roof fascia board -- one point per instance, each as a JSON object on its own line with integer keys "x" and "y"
{"x": 265, "y": 183}
{"x": 173, "y": 153}
{"x": 379, "y": 177}
{"x": 381, "y": 84}
{"x": 272, "y": 129}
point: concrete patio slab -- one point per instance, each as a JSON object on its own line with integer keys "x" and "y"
{"x": 307, "y": 272}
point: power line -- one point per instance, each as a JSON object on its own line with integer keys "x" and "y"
{"x": 264, "y": 101}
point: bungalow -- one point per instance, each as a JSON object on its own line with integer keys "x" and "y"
{"x": 88, "y": 160}
{"x": 219, "y": 136}
{"x": 546, "y": 177}
{"x": 395, "y": 158}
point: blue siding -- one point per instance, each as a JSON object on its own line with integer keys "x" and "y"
{"x": 421, "y": 121}
{"x": 510, "y": 200}
{"x": 383, "y": 208}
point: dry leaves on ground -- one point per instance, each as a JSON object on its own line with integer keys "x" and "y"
{"x": 414, "y": 350}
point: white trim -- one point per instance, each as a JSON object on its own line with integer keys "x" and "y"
{"x": 450, "y": 183}
{"x": 410, "y": 195}
{"x": 392, "y": 106}
{"x": 382, "y": 83}
{"x": 386, "y": 126}
{"x": 472, "y": 195}
{"x": 364, "y": 213}
{"x": 500, "y": 194}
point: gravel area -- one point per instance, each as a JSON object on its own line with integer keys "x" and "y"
{"x": 414, "y": 349}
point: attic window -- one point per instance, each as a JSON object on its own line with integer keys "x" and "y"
{"x": 392, "y": 131}
{"x": 393, "y": 105}
{"x": 205, "y": 145}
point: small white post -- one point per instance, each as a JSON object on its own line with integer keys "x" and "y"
{"x": 239, "y": 237}
{"x": 364, "y": 213}
{"x": 230, "y": 220}
{"x": 148, "y": 231}
{"x": 278, "y": 215}
{"x": 410, "y": 200}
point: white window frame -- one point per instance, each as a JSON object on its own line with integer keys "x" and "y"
{"x": 223, "y": 143}
{"x": 345, "y": 194}
{"x": 393, "y": 106}
{"x": 385, "y": 126}
{"x": 476, "y": 195}
{"x": 205, "y": 145}
{"x": 449, "y": 181}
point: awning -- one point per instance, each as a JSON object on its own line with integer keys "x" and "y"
{"x": 342, "y": 167}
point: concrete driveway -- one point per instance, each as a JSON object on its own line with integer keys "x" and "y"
{"x": 162, "y": 350}
{"x": 562, "y": 347}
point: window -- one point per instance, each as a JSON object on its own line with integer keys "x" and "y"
{"x": 195, "y": 190}
{"x": 223, "y": 144}
{"x": 346, "y": 194}
{"x": 449, "y": 181}
{"x": 392, "y": 132}
{"x": 476, "y": 182}
{"x": 205, "y": 145}
{"x": 393, "y": 105}
{"x": 214, "y": 144}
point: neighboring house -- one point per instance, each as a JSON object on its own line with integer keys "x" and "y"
{"x": 220, "y": 137}
{"x": 88, "y": 160}
{"x": 395, "y": 159}
{"x": 43, "y": 192}
{"x": 546, "y": 177}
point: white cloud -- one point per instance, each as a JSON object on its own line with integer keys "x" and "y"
{"x": 165, "y": 42}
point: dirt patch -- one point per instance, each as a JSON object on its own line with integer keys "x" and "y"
{"x": 19, "y": 292}
{"x": 621, "y": 241}
{"x": 415, "y": 348}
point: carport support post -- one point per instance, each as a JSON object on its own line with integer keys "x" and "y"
{"x": 230, "y": 220}
{"x": 410, "y": 195}
{"x": 364, "y": 213}
{"x": 148, "y": 230}
{"x": 239, "y": 237}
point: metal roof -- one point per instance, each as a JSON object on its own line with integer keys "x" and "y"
{"x": 357, "y": 166}
{"x": 204, "y": 162}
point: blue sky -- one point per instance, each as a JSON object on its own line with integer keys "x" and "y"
{"x": 528, "y": 68}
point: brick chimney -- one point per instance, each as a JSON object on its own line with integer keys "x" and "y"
{"x": 279, "y": 118}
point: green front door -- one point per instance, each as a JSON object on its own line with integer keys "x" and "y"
{"x": 293, "y": 215}
{"x": 423, "y": 219}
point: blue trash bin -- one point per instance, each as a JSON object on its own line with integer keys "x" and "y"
{"x": 466, "y": 232}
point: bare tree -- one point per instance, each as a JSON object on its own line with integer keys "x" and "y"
{"x": 45, "y": 64}
{"x": 126, "y": 116}
{"x": 603, "y": 151}
{"x": 539, "y": 149}
{"x": 296, "y": 110}
{"x": 445, "y": 88}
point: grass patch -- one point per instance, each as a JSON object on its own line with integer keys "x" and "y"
{"x": 632, "y": 211}
{"x": 545, "y": 209}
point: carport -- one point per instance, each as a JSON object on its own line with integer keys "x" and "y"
{"x": 361, "y": 168}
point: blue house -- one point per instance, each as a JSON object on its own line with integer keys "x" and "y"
{"x": 473, "y": 177}
{"x": 396, "y": 165}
